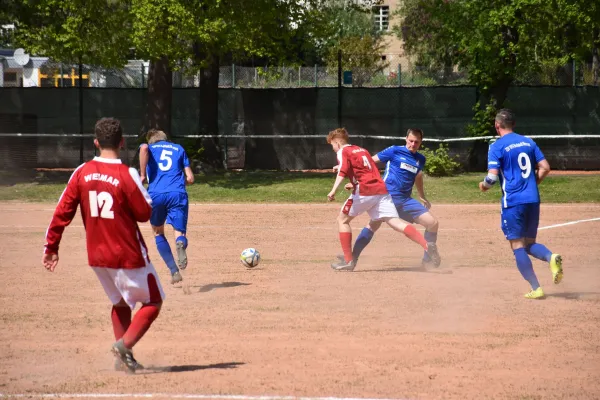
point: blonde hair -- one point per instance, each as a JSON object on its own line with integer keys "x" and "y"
{"x": 155, "y": 135}
{"x": 339, "y": 133}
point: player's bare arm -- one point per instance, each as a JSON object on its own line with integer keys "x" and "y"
{"x": 338, "y": 181}
{"x": 377, "y": 161}
{"x": 490, "y": 180}
{"x": 143, "y": 161}
{"x": 421, "y": 190}
{"x": 189, "y": 175}
{"x": 542, "y": 171}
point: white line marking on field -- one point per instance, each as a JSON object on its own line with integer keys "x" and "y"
{"x": 568, "y": 223}
{"x": 172, "y": 396}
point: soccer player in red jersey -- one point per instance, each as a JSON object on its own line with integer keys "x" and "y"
{"x": 369, "y": 195}
{"x": 112, "y": 201}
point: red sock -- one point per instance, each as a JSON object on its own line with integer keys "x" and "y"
{"x": 413, "y": 234}
{"x": 140, "y": 324}
{"x": 121, "y": 319}
{"x": 346, "y": 240}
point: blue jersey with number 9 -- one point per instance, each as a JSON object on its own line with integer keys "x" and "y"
{"x": 165, "y": 170}
{"x": 516, "y": 157}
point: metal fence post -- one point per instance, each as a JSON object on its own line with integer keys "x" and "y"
{"x": 143, "y": 75}
{"x": 62, "y": 82}
{"x": 339, "y": 110}
{"x": 232, "y": 75}
{"x": 574, "y": 72}
{"x": 299, "y": 75}
{"x": 80, "y": 112}
{"x": 399, "y": 74}
{"x": 316, "y": 78}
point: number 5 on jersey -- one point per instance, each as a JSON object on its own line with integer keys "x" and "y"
{"x": 165, "y": 156}
{"x": 102, "y": 201}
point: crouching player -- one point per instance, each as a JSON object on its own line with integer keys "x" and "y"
{"x": 112, "y": 201}
{"x": 369, "y": 195}
{"x": 512, "y": 161}
{"x": 167, "y": 168}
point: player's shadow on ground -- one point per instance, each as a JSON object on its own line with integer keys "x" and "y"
{"x": 441, "y": 271}
{"x": 212, "y": 286}
{"x": 575, "y": 295}
{"x": 187, "y": 368}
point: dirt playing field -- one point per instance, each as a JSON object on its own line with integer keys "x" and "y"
{"x": 294, "y": 327}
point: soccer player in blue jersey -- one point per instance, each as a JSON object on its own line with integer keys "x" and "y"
{"x": 517, "y": 163}
{"x": 404, "y": 169}
{"x": 167, "y": 168}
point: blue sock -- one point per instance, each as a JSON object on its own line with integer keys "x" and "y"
{"x": 165, "y": 252}
{"x": 182, "y": 239}
{"x": 539, "y": 251}
{"x": 363, "y": 239}
{"x": 526, "y": 268}
{"x": 429, "y": 237}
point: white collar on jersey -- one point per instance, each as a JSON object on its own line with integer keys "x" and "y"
{"x": 108, "y": 160}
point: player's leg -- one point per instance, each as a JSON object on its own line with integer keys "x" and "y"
{"x": 364, "y": 238}
{"x": 157, "y": 220}
{"x": 514, "y": 228}
{"x": 120, "y": 313}
{"x": 412, "y": 210}
{"x": 178, "y": 217}
{"x": 538, "y": 250}
{"x": 350, "y": 209}
{"x": 164, "y": 249}
{"x": 139, "y": 285}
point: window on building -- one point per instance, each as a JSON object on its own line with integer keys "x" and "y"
{"x": 381, "y": 15}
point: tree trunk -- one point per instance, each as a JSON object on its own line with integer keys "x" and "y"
{"x": 209, "y": 111}
{"x": 160, "y": 89}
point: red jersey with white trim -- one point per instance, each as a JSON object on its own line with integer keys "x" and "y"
{"x": 356, "y": 164}
{"x": 113, "y": 200}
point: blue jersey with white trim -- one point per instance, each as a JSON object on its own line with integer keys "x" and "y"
{"x": 402, "y": 167}
{"x": 516, "y": 157}
{"x": 165, "y": 170}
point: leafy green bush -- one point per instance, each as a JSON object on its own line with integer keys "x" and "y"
{"x": 439, "y": 162}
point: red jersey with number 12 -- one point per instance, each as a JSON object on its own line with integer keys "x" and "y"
{"x": 356, "y": 164}
{"x": 113, "y": 200}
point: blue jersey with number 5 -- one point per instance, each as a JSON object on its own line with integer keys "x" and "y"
{"x": 165, "y": 170}
{"x": 516, "y": 157}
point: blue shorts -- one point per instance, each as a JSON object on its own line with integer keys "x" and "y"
{"x": 408, "y": 208}
{"x": 521, "y": 221}
{"x": 172, "y": 208}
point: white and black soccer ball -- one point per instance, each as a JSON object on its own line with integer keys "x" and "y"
{"x": 250, "y": 257}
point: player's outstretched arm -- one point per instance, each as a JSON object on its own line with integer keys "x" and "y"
{"x": 490, "y": 180}
{"x": 63, "y": 215}
{"x": 143, "y": 161}
{"x": 542, "y": 171}
{"x": 189, "y": 175}
{"x": 421, "y": 190}
{"x": 338, "y": 181}
{"x": 139, "y": 199}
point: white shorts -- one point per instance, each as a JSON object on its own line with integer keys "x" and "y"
{"x": 132, "y": 285}
{"x": 378, "y": 206}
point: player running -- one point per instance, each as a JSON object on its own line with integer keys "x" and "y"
{"x": 167, "y": 168}
{"x": 404, "y": 169}
{"x": 113, "y": 200}
{"x": 369, "y": 195}
{"x": 512, "y": 160}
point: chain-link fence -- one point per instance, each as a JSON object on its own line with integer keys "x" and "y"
{"x": 350, "y": 70}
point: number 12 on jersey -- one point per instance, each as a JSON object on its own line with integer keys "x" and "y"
{"x": 102, "y": 201}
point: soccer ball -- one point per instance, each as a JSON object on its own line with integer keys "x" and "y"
{"x": 250, "y": 257}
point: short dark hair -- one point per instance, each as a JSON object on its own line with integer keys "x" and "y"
{"x": 415, "y": 131}
{"x": 506, "y": 118}
{"x": 109, "y": 133}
